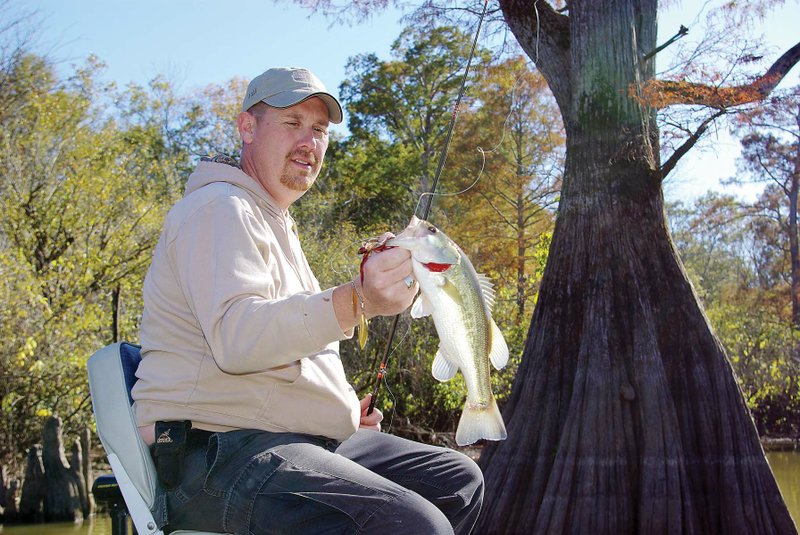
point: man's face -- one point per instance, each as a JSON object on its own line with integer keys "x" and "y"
{"x": 287, "y": 147}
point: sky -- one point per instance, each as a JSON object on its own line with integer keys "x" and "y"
{"x": 199, "y": 42}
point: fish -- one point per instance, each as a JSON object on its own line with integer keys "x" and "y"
{"x": 460, "y": 301}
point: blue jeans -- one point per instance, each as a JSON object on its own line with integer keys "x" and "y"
{"x": 256, "y": 482}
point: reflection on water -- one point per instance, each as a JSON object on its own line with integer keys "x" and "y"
{"x": 95, "y": 526}
{"x": 785, "y": 465}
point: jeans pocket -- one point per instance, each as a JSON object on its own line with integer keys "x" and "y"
{"x": 216, "y": 457}
{"x": 245, "y": 489}
{"x": 226, "y": 456}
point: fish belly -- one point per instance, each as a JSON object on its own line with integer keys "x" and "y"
{"x": 464, "y": 336}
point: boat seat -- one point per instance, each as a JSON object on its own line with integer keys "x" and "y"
{"x": 112, "y": 374}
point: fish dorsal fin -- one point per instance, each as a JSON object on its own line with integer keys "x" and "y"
{"x": 487, "y": 288}
{"x": 499, "y": 353}
{"x": 422, "y": 307}
{"x": 443, "y": 369}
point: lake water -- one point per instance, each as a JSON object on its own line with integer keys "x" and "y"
{"x": 785, "y": 465}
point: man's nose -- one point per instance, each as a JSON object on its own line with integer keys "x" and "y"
{"x": 308, "y": 139}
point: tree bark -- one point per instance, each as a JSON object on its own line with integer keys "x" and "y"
{"x": 76, "y": 468}
{"x": 33, "y": 487}
{"x": 62, "y": 498}
{"x": 9, "y": 488}
{"x": 625, "y": 415}
{"x": 86, "y": 463}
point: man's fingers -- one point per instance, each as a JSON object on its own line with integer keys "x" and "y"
{"x": 387, "y": 259}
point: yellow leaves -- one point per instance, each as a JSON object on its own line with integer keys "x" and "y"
{"x": 44, "y": 413}
{"x": 25, "y": 352}
{"x": 37, "y": 367}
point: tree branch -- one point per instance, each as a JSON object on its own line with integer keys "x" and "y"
{"x": 663, "y": 93}
{"x": 681, "y": 32}
{"x": 544, "y": 35}
{"x": 670, "y": 164}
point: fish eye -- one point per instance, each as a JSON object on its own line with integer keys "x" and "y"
{"x": 432, "y": 230}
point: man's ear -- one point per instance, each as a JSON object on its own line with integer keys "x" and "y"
{"x": 246, "y": 123}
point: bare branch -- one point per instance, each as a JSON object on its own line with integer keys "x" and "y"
{"x": 683, "y": 30}
{"x": 679, "y": 153}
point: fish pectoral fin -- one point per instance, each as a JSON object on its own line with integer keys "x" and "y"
{"x": 422, "y": 307}
{"x": 443, "y": 370}
{"x": 499, "y": 353}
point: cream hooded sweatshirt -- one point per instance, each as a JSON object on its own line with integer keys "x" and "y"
{"x": 236, "y": 333}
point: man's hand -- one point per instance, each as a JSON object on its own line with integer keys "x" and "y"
{"x": 385, "y": 291}
{"x": 373, "y": 421}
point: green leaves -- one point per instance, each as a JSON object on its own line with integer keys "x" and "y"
{"x": 83, "y": 198}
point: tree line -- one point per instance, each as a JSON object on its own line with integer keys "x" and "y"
{"x": 88, "y": 171}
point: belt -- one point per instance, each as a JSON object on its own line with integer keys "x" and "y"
{"x": 196, "y": 438}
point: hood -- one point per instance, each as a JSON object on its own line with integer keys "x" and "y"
{"x": 208, "y": 172}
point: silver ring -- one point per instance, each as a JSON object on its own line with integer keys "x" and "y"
{"x": 409, "y": 281}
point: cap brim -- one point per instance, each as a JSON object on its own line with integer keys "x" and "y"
{"x": 290, "y": 98}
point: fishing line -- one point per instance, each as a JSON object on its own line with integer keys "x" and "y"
{"x": 454, "y": 116}
{"x": 536, "y": 10}
{"x": 394, "y": 404}
{"x": 344, "y": 257}
{"x": 386, "y": 383}
{"x": 518, "y": 82}
{"x": 472, "y": 185}
{"x": 427, "y": 206}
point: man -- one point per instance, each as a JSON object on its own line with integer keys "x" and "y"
{"x": 241, "y": 390}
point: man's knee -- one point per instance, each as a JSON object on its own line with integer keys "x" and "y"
{"x": 409, "y": 513}
{"x": 464, "y": 503}
{"x": 465, "y": 478}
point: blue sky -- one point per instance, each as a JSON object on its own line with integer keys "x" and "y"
{"x": 199, "y": 42}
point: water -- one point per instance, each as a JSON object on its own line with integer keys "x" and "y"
{"x": 96, "y": 526}
{"x": 785, "y": 465}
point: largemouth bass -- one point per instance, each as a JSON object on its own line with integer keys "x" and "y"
{"x": 460, "y": 301}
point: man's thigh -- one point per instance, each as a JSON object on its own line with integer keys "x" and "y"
{"x": 446, "y": 478}
{"x": 274, "y": 483}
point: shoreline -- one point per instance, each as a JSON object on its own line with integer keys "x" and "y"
{"x": 769, "y": 444}
{"x": 780, "y": 444}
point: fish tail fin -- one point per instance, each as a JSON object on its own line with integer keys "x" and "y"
{"x": 480, "y": 421}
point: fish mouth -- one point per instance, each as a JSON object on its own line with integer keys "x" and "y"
{"x": 427, "y": 244}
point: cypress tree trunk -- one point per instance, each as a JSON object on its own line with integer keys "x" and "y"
{"x": 31, "y": 502}
{"x": 625, "y": 415}
{"x": 62, "y": 498}
{"x": 87, "y": 474}
{"x": 77, "y": 470}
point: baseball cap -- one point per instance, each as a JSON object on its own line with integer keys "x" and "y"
{"x": 283, "y": 87}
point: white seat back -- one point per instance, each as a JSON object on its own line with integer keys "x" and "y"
{"x": 112, "y": 374}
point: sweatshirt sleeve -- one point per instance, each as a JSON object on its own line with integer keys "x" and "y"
{"x": 226, "y": 263}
